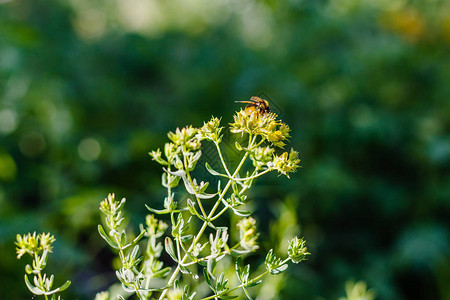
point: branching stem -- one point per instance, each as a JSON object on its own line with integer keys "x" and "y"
{"x": 205, "y": 224}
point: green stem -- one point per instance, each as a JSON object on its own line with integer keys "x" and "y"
{"x": 205, "y": 224}
{"x": 220, "y": 213}
{"x": 122, "y": 259}
{"x": 221, "y": 159}
{"x": 148, "y": 277}
{"x": 193, "y": 186}
{"x": 41, "y": 280}
{"x": 209, "y": 256}
{"x": 239, "y": 286}
{"x": 241, "y": 191}
{"x": 254, "y": 176}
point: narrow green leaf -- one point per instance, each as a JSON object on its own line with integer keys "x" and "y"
{"x": 214, "y": 172}
{"x": 169, "y": 248}
{"x": 138, "y": 261}
{"x": 65, "y": 286}
{"x": 121, "y": 204}
{"x": 43, "y": 261}
{"x": 206, "y": 196}
{"x": 202, "y": 263}
{"x": 208, "y": 280}
{"x": 238, "y": 268}
{"x": 241, "y": 213}
{"x": 255, "y": 283}
{"x": 162, "y": 273}
{"x": 188, "y": 186}
{"x": 220, "y": 280}
{"x": 123, "y": 238}
{"x": 28, "y": 269}
{"x": 211, "y": 266}
{"x": 164, "y": 211}
{"x": 193, "y": 210}
{"x": 176, "y": 284}
{"x": 278, "y": 270}
{"x": 139, "y": 237}
{"x": 234, "y": 185}
{"x": 246, "y": 273}
{"x": 247, "y": 294}
{"x": 226, "y": 297}
{"x": 236, "y": 252}
{"x": 185, "y": 270}
{"x": 203, "y": 188}
{"x": 134, "y": 252}
{"x": 103, "y": 234}
{"x": 35, "y": 290}
{"x": 179, "y": 173}
{"x": 157, "y": 211}
{"x": 164, "y": 180}
{"x": 50, "y": 281}
{"x": 218, "y": 258}
{"x": 186, "y": 238}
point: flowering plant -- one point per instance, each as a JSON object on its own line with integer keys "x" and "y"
{"x": 195, "y": 241}
{"x": 39, "y": 248}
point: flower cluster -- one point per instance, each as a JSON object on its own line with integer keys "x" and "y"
{"x": 248, "y": 234}
{"x": 32, "y": 244}
{"x": 262, "y": 156}
{"x": 285, "y": 163}
{"x": 211, "y": 130}
{"x": 112, "y": 210}
{"x": 186, "y": 137}
{"x": 38, "y": 246}
{"x": 265, "y": 125}
{"x": 271, "y": 131}
{"x": 155, "y": 227}
{"x": 297, "y": 250}
{"x": 182, "y": 152}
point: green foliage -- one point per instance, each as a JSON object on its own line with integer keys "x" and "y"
{"x": 86, "y": 88}
{"x": 38, "y": 247}
{"x": 185, "y": 244}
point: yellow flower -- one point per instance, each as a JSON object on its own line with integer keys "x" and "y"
{"x": 264, "y": 125}
{"x": 286, "y": 163}
{"x": 26, "y": 244}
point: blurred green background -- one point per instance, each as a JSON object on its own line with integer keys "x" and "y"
{"x": 87, "y": 88}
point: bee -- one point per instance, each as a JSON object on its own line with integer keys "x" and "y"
{"x": 256, "y": 104}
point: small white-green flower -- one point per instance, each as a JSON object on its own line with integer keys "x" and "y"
{"x": 247, "y": 227}
{"x": 297, "y": 250}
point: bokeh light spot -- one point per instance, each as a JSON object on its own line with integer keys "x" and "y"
{"x": 89, "y": 149}
{"x": 90, "y": 24}
{"x": 8, "y": 168}
{"x": 32, "y": 144}
{"x": 8, "y": 121}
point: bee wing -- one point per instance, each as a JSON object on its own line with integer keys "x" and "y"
{"x": 246, "y": 101}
